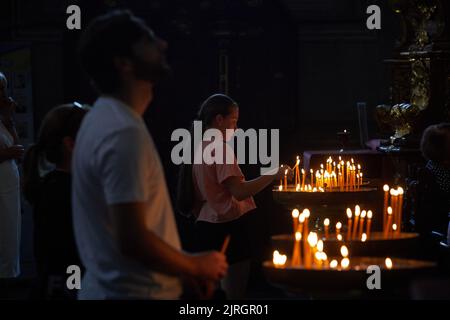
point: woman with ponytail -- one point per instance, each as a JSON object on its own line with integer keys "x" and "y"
{"x": 218, "y": 196}
{"x": 50, "y": 195}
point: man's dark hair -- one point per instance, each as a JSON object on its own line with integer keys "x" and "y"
{"x": 108, "y": 36}
{"x": 435, "y": 142}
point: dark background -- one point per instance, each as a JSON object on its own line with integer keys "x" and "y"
{"x": 297, "y": 65}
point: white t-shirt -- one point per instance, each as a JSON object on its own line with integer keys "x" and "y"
{"x": 115, "y": 161}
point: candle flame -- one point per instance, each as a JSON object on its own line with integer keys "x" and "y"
{"x": 369, "y": 214}
{"x": 303, "y": 171}
{"x": 318, "y": 255}
{"x": 393, "y": 192}
{"x": 280, "y": 188}
{"x": 344, "y": 251}
{"x": 311, "y": 170}
{"x": 338, "y": 225}
{"x": 339, "y": 237}
{"x": 298, "y": 236}
{"x": 320, "y": 245}
{"x": 388, "y": 263}
{"x": 363, "y": 214}
{"x": 279, "y": 259}
{"x": 363, "y": 237}
{"x": 357, "y": 210}
{"x": 312, "y": 239}
{"x": 400, "y": 191}
{"x": 326, "y": 222}
{"x": 306, "y": 213}
{"x": 349, "y": 213}
{"x": 295, "y": 213}
{"x": 301, "y": 218}
{"x": 385, "y": 188}
{"x": 285, "y": 172}
{"x": 333, "y": 264}
{"x": 345, "y": 263}
{"x": 394, "y": 227}
{"x": 324, "y": 256}
{"x": 389, "y": 210}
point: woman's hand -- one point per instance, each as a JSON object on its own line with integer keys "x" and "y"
{"x": 282, "y": 171}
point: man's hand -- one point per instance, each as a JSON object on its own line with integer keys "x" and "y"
{"x": 210, "y": 266}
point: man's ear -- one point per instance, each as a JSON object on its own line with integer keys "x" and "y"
{"x": 68, "y": 144}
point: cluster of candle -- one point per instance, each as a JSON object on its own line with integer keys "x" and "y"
{"x": 392, "y": 211}
{"x": 345, "y": 175}
{"x": 358, "y": 227}
{"x": 279, "y": 260}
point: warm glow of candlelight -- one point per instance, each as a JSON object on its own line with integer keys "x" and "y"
{"x": 333, "y": 264}
{"x": 298, "y": 236}
{"x": 388, "y": 263}
{"x": 345, "y": 263}
{"x": 363, "y": 214}
{"x": 301, "y": 218}
{"x": 279, "y": 259}
{"x": 338, "y": 226}
{"x": 364, "y": 237}
{"x": 312, "y": 239}
{"x": 349, "y": 213}
{"x": 389, "y": 210}
{"x": 385, "y": 188}
{"x": 357, "y": 210}
{"x": 339, "y": 237}
{"x": 344, "y": 251}
{"x": 394, "y": 227}
{"x": 326, "y": 222}
{"x": 320, "y": 245}
{"x": 280, "y": 188}
{"x": 306, "y": 213}
{"x": 295, "y": 213}
{"x": 369, "y": 214}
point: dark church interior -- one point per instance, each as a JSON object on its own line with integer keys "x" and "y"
{"x": 358, "y": 90}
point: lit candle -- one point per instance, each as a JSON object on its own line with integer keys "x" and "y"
{"x": 339, "y": 237}
{"x": 326, "y": 224}
{"x": 301, "y": 220}
{"x": 394, "y": 230}
{"x": 400, "y": 209}
{"x": 295, "y": 214}
{"x": 312, "y": 242}
{"x": 344, "y": 251}
{"x": 385, "y": 202}
{"x": 303, "y": 178}
{"x": 281, "y": 180}
{"x": 306, "y": 254}
{"x": 361, "y": 223}
{"x": 280, "y": 187}
{"x": 349, "y": 224}
{"x": 355, "y": 224}
{"x": 297, "y": 173}
{"x": 312, "y": 177}
{"x": 296, "y": 252}
{"x": 363, "y": 237}
{"x": 388, "y": 223}
{"x": 285, "y": 179}
{"x": 338, "y": 228}
{"x": 393, "y": 193}
{"x": 369, "y": 222}
{"x": 297, "y": 188}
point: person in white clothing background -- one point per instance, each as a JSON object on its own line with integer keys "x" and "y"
{"x": 10, "y": 216}
{"x": 124, "y": 223}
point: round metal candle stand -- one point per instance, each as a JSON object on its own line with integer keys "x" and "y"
{"x": 298, "y": 279}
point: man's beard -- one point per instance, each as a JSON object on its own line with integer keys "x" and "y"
{"x": 151, "y": 71}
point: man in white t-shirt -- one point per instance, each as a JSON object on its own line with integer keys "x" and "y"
{"x": 123, "y": 219}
